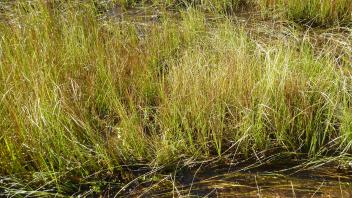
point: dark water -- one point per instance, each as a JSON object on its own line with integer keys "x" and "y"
{"x": 263, "y": 182}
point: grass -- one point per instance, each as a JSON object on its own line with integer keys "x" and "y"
{"x": 83, "y": 95}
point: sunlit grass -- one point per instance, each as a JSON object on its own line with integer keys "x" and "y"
{"x": 80, "y": 94}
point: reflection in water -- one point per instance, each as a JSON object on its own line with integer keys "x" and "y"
{"x": 318, "y": 182}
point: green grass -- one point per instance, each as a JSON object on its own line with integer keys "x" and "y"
{"x": 80, "y": 94}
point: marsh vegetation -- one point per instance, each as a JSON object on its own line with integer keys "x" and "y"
{"x": 95, "y": 93}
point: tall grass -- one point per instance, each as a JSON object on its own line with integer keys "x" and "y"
{"x": 79, "y": 94}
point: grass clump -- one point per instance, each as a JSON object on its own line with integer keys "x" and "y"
{"x": 82, "y": 95}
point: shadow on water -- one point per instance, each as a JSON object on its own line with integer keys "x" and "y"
{"x": 265, "y": 181}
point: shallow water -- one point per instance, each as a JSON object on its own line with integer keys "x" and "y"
{"x": 223, "y": 182}
{"x": 270, "y": 185}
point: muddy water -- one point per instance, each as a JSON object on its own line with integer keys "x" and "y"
{"x": 269, "y": 185}
{"x": 223, "y": 182}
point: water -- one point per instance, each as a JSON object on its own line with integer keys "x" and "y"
{"x": 269, "y": 181}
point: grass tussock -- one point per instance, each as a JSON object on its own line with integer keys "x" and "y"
{"x": 80, "y": 94}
